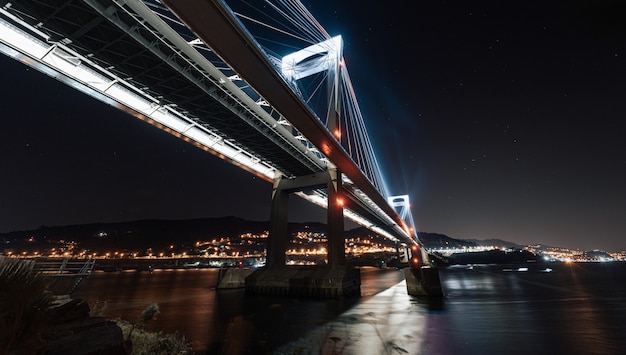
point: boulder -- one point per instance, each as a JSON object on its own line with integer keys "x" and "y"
{"x": 106, "y": 339}
{"x": 74, "y": 331}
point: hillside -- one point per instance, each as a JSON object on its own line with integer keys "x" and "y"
{"x": 185, "y": 233}
{"x": 153, "y": 233}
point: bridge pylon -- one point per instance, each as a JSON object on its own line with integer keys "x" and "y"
{"x": 422, "y": 277}
{"x": 416, "y": 254}
{"x": 330, "y": 280}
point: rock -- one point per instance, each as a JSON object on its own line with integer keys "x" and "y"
{"x": 75, "y": 309}
{"x": 106, "y": 339}
{"x": 74, "y": 332}
{"x": 79, "y": 325}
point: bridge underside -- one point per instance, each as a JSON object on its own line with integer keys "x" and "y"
{"x": 137, "y": 56}
{"x": 112, "y": 36}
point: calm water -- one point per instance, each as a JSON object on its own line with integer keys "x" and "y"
{"x": 487, "y": 309}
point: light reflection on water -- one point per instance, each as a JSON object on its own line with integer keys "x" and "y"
{"x": 574, "y": 309}
{"x": 219, "y": 320}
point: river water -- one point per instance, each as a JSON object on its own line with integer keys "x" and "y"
{"x": 575, "y": 308}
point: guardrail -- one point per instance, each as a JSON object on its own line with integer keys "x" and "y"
{"x": 75, "y": 270}
{"x": 65, "y": 267}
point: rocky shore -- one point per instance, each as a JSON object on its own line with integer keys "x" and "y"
{"x": 74, "y": 331}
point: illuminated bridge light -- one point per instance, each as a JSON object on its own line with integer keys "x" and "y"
{"x": 155, "y": 32}
{"x": 101, "y": 81}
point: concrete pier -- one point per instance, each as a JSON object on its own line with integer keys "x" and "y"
{"x": 423, "y": 281}
{"x": 232, "y": 278}
{"x": 335, "y": 279}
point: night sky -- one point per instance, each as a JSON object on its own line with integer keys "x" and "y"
{"x": 498, "y": 119}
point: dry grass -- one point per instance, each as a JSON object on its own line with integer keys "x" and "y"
{"x": 24, "y": 307}
{"x": 153, "y": 343}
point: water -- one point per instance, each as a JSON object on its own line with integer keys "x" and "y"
{"x": 574, "y": 309}
{"x": 487, "y": 309}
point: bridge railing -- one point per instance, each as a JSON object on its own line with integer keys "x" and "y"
{"x": 64, "y": 267}
{"x": 66, "y": 273}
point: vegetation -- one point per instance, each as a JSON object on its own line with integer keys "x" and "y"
{"x": 142, "y": 342}
{"x": 24, "y": 307}
{"x": 25, "y": 316}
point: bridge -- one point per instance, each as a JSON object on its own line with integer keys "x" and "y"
{"x": 198, "y": 69}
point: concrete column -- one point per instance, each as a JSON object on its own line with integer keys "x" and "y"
{"x": 279, "y": 238}
{"x": 332, "y": 280}
{"x": 278, "y": 233}
{"x": 336, "y": 201}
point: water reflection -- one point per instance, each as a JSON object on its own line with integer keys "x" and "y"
{"x": 485, "y": 310}
{"x": 220, "y": 321}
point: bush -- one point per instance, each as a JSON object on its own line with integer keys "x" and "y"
{"x": 140, "y": 342}
{"x": 24, "y": 306}
{"x": 157, "y": 343}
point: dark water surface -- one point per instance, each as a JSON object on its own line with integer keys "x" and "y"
{"x": 487, "y": 309}
{"x": 577, "y": 308}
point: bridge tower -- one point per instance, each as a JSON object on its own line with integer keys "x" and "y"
{"x": 422, "y": 277}
{"x": 415, "y": 252}
{"x": 335, "y": 278}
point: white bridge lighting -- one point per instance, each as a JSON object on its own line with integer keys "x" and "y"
{"x": 341, "y": 141}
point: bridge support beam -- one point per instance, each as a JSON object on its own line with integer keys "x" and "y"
{"x": 331, "y": 280}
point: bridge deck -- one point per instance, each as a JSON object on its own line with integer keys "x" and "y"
{"x": 156, "y": 60}
{"x": 157, "y": 72}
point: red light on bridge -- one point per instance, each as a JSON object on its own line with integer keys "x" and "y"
{"x": 337, "y": 133}
{"x": 326, "y": 149}
{"x": 339, "y": 201}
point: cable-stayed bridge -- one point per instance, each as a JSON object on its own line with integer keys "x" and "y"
{"x": 264, "y": 87}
